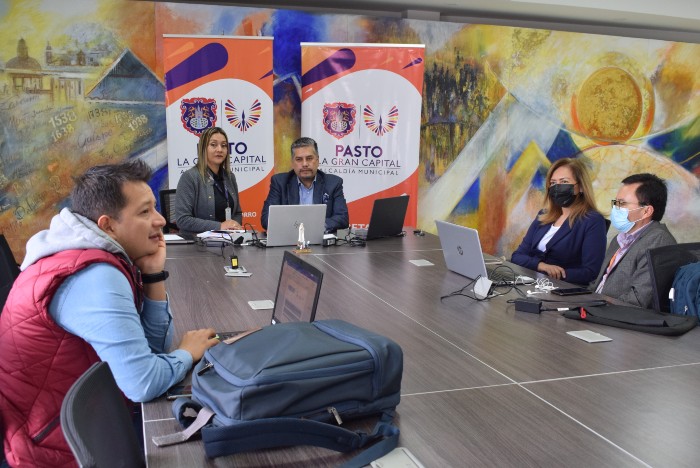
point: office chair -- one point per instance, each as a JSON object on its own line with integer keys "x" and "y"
{"x": 9, "y": 270}
{"x": 167, "y": 209}
{"x": 664, "y": 262}
{"x": 97, "y": 423}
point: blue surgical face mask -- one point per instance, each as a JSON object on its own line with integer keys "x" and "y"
{"x": 619, "y": 218}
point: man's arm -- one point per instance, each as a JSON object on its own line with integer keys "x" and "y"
{"x": 274, "y": 197}
{"x": 97, "y": 305}
{"x": 630, "y": 280}
{"x": 639, "y": 290}
{"x": 339, "y": 218}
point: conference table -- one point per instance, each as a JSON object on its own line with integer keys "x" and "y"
{"x": 483, "y": 384}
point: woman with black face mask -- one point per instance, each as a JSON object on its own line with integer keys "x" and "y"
{"x": 567, "y": 239}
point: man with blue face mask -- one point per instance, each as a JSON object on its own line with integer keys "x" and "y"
{"x": 636, "y": 211}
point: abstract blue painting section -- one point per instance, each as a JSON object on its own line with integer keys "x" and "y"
{"x": 289, "y": 28}
{"x": 563, "y": 146}
{"x": 470, "y": 201}
{"x": 680, "y": 145}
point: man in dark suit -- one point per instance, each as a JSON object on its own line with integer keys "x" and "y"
{"x": 306, "y": 185}
{"x": 636, "y": 212}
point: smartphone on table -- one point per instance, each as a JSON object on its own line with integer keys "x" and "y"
{"x": 571, "y": 291}
{"x": 179, "y": 391}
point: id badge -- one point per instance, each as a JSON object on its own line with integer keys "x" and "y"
{"x": 228, "y": 213}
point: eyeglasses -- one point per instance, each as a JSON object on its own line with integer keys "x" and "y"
{"x": 624, "y": 204}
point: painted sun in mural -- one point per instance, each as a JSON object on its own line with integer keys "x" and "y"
{"x": 608, "y": 105}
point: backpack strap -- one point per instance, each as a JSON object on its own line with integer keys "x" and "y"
{"x": 634, "y": 318}
{"x": 279, "y": 432}
{"x": 193, "y": 425}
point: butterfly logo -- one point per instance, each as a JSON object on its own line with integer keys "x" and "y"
{"x": 241, "y": 120}
{"x": 380, "y": 126}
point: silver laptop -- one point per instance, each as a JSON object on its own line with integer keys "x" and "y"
{"x": 463, "y": 255}
{"x": 283, "y": 224}
{"x": 296, "y": 299}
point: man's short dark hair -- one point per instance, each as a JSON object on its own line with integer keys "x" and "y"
{"x": 99, "y": 191}
{"x": 651, "y": 191}
{"x": 303, "y": 142}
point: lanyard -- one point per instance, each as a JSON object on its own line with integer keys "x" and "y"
{"x": 224, "y": 191}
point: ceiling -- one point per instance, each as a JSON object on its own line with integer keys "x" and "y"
{"x": 677, "y": 20}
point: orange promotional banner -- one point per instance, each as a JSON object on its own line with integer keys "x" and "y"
{"x": 222, "y": 81}
{"x": 362, "y": 105}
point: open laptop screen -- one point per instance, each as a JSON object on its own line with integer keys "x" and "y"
{"x": 297, "y": 290}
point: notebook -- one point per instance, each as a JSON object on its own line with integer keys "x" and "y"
{"x": 463, "y": 255}
{"x": 296, "y": 299}
{"x": 283, "y": 224}
{"x": 387, "y": 218}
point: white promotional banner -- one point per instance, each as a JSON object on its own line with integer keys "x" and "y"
{"x": 226, "y": 82}
{"x": 362, "y": 105}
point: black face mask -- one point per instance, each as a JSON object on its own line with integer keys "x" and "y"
{"x": 562, "y": 194}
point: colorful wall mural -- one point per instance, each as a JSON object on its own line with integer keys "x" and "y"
{"x": 81, "y": 83}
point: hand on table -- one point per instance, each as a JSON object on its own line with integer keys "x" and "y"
{"x": 553, "y": 271}
{"x": 230, "y": 225}
{"x": 196, "y": 342}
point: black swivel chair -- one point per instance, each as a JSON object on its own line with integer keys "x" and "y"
{"x": 9, "y": 270}
{"x": 664, "y": 262}
{"x": 167, "y": 209}
{"x": 97, "y": 423}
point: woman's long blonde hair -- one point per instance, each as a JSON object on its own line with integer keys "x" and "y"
{"x": 584, "y": 202}
{"x": 202, "y": 151}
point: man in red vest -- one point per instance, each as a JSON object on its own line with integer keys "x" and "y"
{"x": 92, "y": 288}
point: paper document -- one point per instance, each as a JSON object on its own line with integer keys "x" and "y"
{"x": 589, "y": 336}
{"x": 220, "y": 234}
{"x": 175, "y": 239}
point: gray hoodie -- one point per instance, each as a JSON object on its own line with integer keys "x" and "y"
{"x": 69, "y": 231}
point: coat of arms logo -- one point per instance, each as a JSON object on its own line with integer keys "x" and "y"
{"x": 339, "y": 119}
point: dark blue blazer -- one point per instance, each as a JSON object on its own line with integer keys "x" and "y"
{"x": 579, "y": 249}
{"x": 328, "y": 189}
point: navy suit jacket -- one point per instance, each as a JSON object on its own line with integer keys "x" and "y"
{"x": 579, "y": 249}
{"x": 328, "y": 189}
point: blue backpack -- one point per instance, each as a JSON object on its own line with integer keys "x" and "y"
{"x": 686, "y": 290}
{"x": 294, "y": 384}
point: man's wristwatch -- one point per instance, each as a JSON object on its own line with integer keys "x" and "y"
{"x": 155, "y": 277}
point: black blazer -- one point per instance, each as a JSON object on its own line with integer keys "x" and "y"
{"x": 578, "y": 249}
